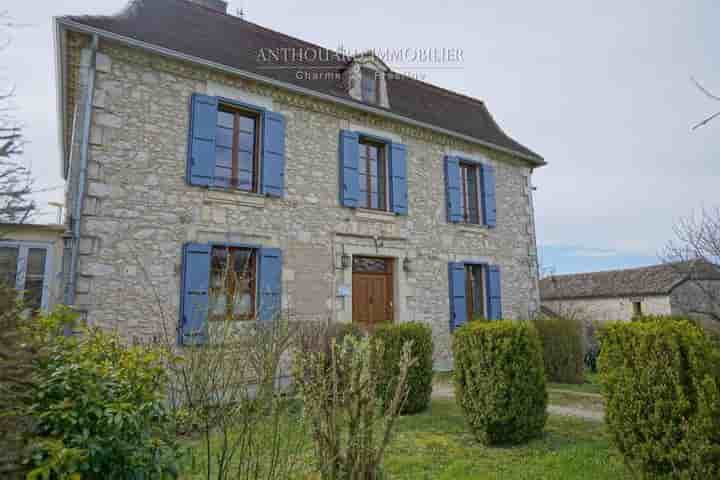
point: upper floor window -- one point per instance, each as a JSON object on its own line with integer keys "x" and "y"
{"x": 469, "y": 198}
{"x": 236, "y": 146}
{"x": 236, "y": 152}
{"x": 470, "y": 192}
{"x": 372, "y": 176}
{"x": 369, "y": 84}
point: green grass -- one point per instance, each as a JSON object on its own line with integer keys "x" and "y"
{"x": 436, "y": 444}
{"x": 591, "y": 385}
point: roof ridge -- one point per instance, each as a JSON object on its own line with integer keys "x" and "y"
{"x": 617, "y": 270}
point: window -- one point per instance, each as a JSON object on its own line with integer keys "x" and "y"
{"x": 232, "y": 283}
{"x": 372, "y": 175}
{"x": 369, "y": 84}
{"x": 24, "y": 266}
{"x": 8, "y": 265}
{"x": 469, "y": 203}
{"x": 637, "y": 309}
{"x": 236, "y": 152}
{"x": 475, "y": 291}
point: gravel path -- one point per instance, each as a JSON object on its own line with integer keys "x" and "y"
{"x": 447, "y": 391}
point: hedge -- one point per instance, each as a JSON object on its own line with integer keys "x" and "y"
{"x": 420, "y": 376}
{"x": 562, "y": 341}
{"x": 661, "y": 378}
{"x": 500, "y": 380}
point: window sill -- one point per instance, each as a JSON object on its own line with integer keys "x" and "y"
{"x": 472, "y": 227}
{"x": 375, "y": 215}
{"x": 235, "y": 197}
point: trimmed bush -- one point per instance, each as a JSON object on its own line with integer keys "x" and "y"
{"x": 662, "y": 383}
{"x": 420, "y": 375}
{"x": 500, "y": 380}
{"x": 562, "y": 341}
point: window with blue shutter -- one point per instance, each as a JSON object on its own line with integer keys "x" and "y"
{"x": 349, "y": 158}
{"x": 273, "y": 158}
{"x": 488, "y": 195}
{"x": 494, "y": 292}
{"x": 269, "y": 284}
{"x": 458, "y": 304}
{"x": 195, "y": 294}
{"x": 203, "y": 130}
{"x": 398, "y": 175}
{"x": 233, "y": 145}
{"x": 452, "y": 189}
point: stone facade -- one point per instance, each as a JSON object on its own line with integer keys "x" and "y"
{"x": 610, "y": 309}
{"x": 139, "y": 211}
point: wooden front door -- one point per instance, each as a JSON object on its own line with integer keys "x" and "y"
{"x": 372, "y": 291}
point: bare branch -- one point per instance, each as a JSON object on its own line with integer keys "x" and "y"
{"x": 706, "y": 121}
{"x": 704, "y": 90}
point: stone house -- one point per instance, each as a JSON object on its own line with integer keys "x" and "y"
{"x": 331, "y": 186}
{"x": 683, "y": 289}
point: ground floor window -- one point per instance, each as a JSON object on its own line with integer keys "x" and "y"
{"x": 26, "y": 268}
{"x": 232, "y": 283}
{"x": 637, "y": 308}
{"x": 475, "y": 291}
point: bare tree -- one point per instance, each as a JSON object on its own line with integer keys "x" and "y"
{"x": 711, "y": 96}
{"x": 695, "y": 253}
{"x": 16, "y": 206}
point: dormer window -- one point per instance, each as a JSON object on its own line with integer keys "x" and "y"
{"x": 369, "y": 85}
{"x": 366, "y": 80}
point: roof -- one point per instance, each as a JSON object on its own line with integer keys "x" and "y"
{"x": 202, "y": 33}
{"x": 653, "y": 280}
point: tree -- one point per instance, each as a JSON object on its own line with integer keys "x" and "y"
{"x": 711, "y": 96}
{"x": 695, "y": 253}
{"x": 16, "y": 206}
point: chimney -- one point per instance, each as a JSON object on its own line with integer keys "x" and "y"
{"x": 217, "y": 5}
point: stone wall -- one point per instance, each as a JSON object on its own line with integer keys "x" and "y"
{"x": 692, "y": 297}
{"x": 605, "y": 309}
{"x": 139, "y": 211}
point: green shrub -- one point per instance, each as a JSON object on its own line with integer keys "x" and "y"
{"x": 99, "y": 405}
{"x": 562, "y": 341}
{"x": 662, "y": 385}
{"x": 500, "y": 380}
{"x": 420, "y": 375}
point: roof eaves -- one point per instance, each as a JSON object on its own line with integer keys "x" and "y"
{"x": 68, "y": 23}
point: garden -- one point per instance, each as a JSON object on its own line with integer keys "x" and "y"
{"x": 277, "y": 400}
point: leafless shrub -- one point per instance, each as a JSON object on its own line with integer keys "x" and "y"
{"x": 349, "y": 427}
{"x": 695, "y": 255}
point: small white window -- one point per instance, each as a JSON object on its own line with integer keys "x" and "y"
{"x": 26, "y": 267}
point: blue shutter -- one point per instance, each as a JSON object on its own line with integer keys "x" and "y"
{"x": 398, "y": 175}
{"x": 269, "y": 283}
{"x": 458, "y": 303}
{"x": 349, "y": 158}
{"x": 494, "y": 292}
{"x": 452, "y": 188}
{"x": 201, "y": 148}
{"x": 194, "y": 295}
{"x": 273, "y": 156}
{"x": 488, "y": 195}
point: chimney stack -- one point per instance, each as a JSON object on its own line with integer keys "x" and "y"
{"x": 217, "y": 5}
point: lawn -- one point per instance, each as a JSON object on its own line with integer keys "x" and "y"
{"x": 591, "y": 385}
{"x": 436, "y": 444}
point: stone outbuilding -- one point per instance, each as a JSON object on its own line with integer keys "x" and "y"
{"x": 683, "y": 288}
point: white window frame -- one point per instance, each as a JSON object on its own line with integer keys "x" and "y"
{"x": 23, "y": 248}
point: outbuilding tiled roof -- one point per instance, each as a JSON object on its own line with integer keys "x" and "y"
{"x": 200, "y": 32}
{"x": 654, "y": 280}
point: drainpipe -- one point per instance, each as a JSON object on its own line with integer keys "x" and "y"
{"x": 79, "y": 199}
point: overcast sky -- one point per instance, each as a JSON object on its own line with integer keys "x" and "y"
{"x": 601, "y": 89}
